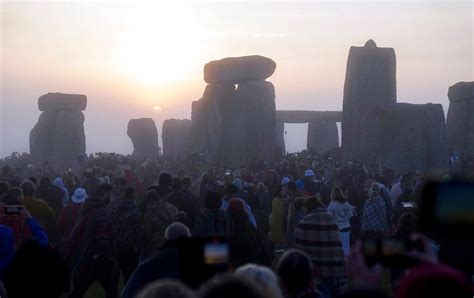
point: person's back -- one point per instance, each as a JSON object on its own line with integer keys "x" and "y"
{"x": 157, "y": 217}
{"x": 183, "y": 202}
{"x": 213, "y": 222}
{"x": 374, "y": 216}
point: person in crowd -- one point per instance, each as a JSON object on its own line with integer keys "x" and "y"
{"x": 6, "y": 174}
{"x": 58, "y": 182}
{"x": 296, "y": 273}
{"x": 265, "y": 198}
{"x": 230, "y": 287}
{"x": 166, "y": 289}
{"x": 37, "y": 207}
{"x": 277, "y": 233}
{"x": 213, "y": 222}
{"x": 50, "y": 194}
{"x": 127, "y": 227}
{"x": 375, "y": 224}
{"x": 69, "y": 214}
{"x": 89, "y": 251}
{"x": 244, "y": 244}
{"x": 187, "y": 183}
{"x": 183, "y": 202}
{"x": 4, "y": 188}
{"x": 263, "y": 277}
{"x": 233, "y": 192}
{"x": 308, "y": 182}
{"x": 157, "y": 216}
{"x": 296, "y": 213}
{"x": 164, "y": 264}
{"x": 262, "y": 221}
{"x": 90, "y": 182}
{"x": 35, "y": 271}
{"x": 342, "y": 212}
{"x": 317, "y": 234}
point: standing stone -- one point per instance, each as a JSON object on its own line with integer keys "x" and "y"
{"x": 58, "y": 137}
{"x": 370, "y": 86}
{"x": 460, "y": 120}
{"x": 413, "y": 136}
{"x": 176, "y": 136}
{"x": 144, "y": 136}
{"x": 237, "y": 70}
{"x": 280, "y": 137}
{"x": 210, "y": 117}
{"x": 322, "y": 136}
{"x": 254, "y": 124}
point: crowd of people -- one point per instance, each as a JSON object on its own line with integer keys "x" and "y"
{"x": 293, "y": 228}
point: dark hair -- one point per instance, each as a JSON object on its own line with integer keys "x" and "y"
{"x": 295, "y": 271}
{"x": 103, "y": 190}
{"x": 44, "y": 181}
{"x": 28, "y": 188}
{"x": 4, "y": 187}
{"x": 129, "y": 193}
{"x": 33, "y": 180}
{"x": 152, "y": 195}
{"x": 166, "y": 289}
{"x": 407, "y": 224}
{"x": 213, "y": 200}
{"x": 165, "y": 179}
{"x": 187, "y": 181}
{"x": 35, "y": 271}
{"x": 291, "y": 185}
{"x": 176, "y": 184}
{"x": 230, "y": 287}
{"x": 231, "y": 189}
{"x": 14, "y": 196}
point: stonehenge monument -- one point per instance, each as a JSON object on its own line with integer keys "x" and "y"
{"x": 176, "y": 135}
{"x": 460, "y": 120}
{"x": 58, "y": 137}
{"x": 144, "y": 136}
{"x": 370, "y": 86}
{"x": 322, "y": 136}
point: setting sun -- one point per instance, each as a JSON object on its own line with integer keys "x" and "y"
{"x": 158, "y": 46}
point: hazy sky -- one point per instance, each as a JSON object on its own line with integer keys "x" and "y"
{"x": 128, "y": 58}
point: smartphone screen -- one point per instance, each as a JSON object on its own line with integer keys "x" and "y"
{"x": 216, "y": 253}
{"x": 13, "y": 209}
{"x": 454, "y": 204}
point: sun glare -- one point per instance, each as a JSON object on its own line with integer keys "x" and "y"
{"x": 159, "y": 45}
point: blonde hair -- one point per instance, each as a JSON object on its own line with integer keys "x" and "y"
{"x": 261, "y": 276}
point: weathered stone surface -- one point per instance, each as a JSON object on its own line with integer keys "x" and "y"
{"x": 176, "y": 136}
{"x": 210, "y": 137}
{"x": 239, "y": 69}
{"x": 69, "y": 139}
{"x": 461, "y": 91}
{"x": 253, "y": 131}
{"x": 280, "y": 137}
{"x": 144, "y": 136}
{"x": 58, "y": 137}
{"x": 322, "y": 136}
{"x": 296, "y": 116}
{"x": 61, "y": 101}
{"x": 460, "y": 120}
{"x": 413, "y": 136}
{"x": 370, "y": 86}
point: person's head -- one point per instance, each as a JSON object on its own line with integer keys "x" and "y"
{"x": 312, "y": 202}
{"x": 261, "y": 187}
{"x": 166, "y": 289}
{"x": 291, "y": 186}
{"x": 231, "y": 189}
{"x": 164, "y": 180}
{"x": 79, "y": 196}
{"x": 129, "y": 193}
{"x": 187, "y": 182}
{"x": 236, "y": 207}
{"x": 295, "y": 271}
{"x": 176, "y": 231}
{"x": 152, "y": 196}
{"x": 33, "y": 180}
{"x": 300, "y": 185}
{"x": 298, "y": 203}
{"x": 230, "y": 287}
{"x": 407, "y": 224}
{"x": 434, "y": 281}
{"x": 213, "y": 200}
{"x": 103, "y": 192}
{"x": 35, "y": 271}
{"x": 28, "y": 188}
{"x": 237, "y": 183}
{"x": 45, "y": 181}
{"x": 176, "y": 184}
{"x": 254, "y": 202}
{"x": 374, "y": 190}
{"x": 4, "y": 187}
{"x": 14, "y": 196}
{"x": 6, "y": 170}
{"x": 263, "y": 277}
{"x": 338, "y": 195}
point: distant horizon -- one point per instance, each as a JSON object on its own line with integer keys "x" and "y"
{"x": 129, "y": 59}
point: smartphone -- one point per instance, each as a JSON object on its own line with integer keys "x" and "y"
{"x": 390, "y": 253}
{"x": 216, "y": 253}
{"x": 13, "y": 209}
{"x": 447, "y": 209}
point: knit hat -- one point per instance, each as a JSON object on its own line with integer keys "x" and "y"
{"x": 300, "y": 185}
{"x": 309, "y": 173}
{"x": 238, "y": 183}
{"x": 79, "y": 196}
{"x": 285, "y": 181}
{"x": 236, "y": 205}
